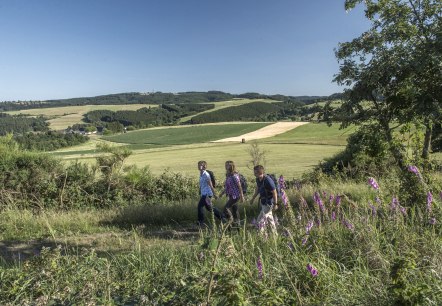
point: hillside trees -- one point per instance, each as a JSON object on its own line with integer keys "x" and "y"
{"x": 143, "y": 117}
{"x": 393, "y": 70}
{"x": 48, "y": 141}
{"x": 21, "y": 124}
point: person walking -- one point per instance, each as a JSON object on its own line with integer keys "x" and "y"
{"x": 207, "y": 191}
{"x": 234, "y": 192}
{"x": 266, "y": 189}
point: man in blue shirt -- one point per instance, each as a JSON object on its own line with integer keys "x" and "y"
{"x": 268, "y": 196}
{"x": 207, "y": 191}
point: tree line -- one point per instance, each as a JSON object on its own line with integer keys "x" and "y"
{"x": 21, "y": 124}
{"x": 154, "y": 98}
{"x": 142, "y": 118}
{"x": 48, "y": 141}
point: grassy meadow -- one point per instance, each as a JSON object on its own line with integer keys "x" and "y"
{"x": 179, "y": 148}
{"x": 345, "y": 253}
{"x": 338, "y": 242}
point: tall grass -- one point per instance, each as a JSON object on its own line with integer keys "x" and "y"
{"x": 362, "y": 256}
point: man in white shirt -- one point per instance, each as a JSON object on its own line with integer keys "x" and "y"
{"x": 207, "y": 191}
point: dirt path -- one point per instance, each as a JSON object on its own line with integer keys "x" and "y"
{"x": 267, "y": 131}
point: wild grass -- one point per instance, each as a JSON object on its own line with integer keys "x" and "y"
{"x": 359, "y": 257}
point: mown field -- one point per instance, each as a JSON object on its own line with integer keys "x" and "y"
{"x": 63, "y": 117}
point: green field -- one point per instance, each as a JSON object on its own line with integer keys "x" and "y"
{"x": 225, "y": 104}
{"x": 63, "y": 117}
{"x": 185, "y": 135}
{"x": 314, "y": 133}
{"x": 180, "y": 148}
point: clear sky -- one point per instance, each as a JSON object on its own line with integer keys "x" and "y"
{"x": 54, "y": 49}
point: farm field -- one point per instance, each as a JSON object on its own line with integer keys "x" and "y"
{"x": 290, "y": 158}
{"x": 314, "y": 133}
{"x": 229, "y": 103}
{"x": 185, "y": 135}
{"x": 63, "y": 117}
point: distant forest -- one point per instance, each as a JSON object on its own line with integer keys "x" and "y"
{"x": 157, "y": 98}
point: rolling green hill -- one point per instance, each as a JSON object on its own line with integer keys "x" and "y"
{"x": 184, "y": 135}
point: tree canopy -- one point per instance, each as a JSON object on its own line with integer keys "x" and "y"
{"x": 393, "y": 70}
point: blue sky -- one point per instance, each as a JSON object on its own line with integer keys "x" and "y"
{"x": 53, "y": 49}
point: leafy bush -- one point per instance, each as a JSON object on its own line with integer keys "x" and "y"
{"x": 38, "y": 180}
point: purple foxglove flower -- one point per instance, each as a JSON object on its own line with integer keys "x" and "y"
{"x": 333, "y": 216}
{"x": 432, "y": 221}
{"x": 429, "y": 200}
{"x": 309, "y": 227}
{"x": 403, "y": 210}
{"x": 331, "y": 198}
{"x": 338, "y": 200}
{"x": 318, "y": 201}
{"x": 259, "y": 267}
{"x": 284, "y": 198}
{"x": 318, "y": 222}
{"x": 373, "y": 209}
{"x": 378, "y": 200}
{"x": 373, "y": 183}
{"x": 394, "y": 203}
{"x": 304, "y": 240}
{"x": 312, "y": 270}
{"x": 348, "y": 224}
{"x": 415, "y": 170}
{"x": 253, "y": 222}
{"x": 281, "y": 182}
{"x": 291, "y": 247}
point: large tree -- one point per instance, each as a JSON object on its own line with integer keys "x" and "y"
{"x": 393, "y": 71}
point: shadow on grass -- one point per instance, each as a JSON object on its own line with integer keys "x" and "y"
{"x": 170, "y": 219}
{"x": 136, "y": 227}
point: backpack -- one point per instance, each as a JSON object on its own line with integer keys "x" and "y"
{"x": 276, "y": 182}
{"x": 212, "y": 177}
{"x": 243, "y": 182}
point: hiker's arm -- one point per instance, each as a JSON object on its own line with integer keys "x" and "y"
{"x": 241, "y": 193}
{"x": 209, "y": 181}
{"x": 275, "y": 197}
{"x": 224, "y": 190}
{"x": 254, "y": 195}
